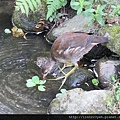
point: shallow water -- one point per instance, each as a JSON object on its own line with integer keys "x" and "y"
{"x": 15, "y": 69}
{"x": 16, "y": 66}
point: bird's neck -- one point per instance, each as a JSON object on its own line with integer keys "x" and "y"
{"x": 51, "y": 62}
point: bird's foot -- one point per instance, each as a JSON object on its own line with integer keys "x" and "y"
{"x": 65, "y": 77}
{"x": 58, "y": 78}
{"x": 68, "y": 64}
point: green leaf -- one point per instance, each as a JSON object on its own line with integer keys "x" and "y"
{"x": 75, "y": 5}
{"x": 18, "y": 3}
{"x": 85, "y": 13}
{"x": 49, "y": 13}
{"x": 102, "y": 7}
{"x": 79, "y": 11}
{"x": 118, "y": 97}
{"x": 41, "y": 88}
{"x": 29, "y": 80}
{"x": 22, "y": 8}
{"x": 63, "y": 90}
{"x": 26, "y": 8}
{"x": 51, "y": 19}
{"x": 58, "y": 94}
{"x": 63, "y": 2}
{"x": 39, "y": 2}
{"x": 95, "y": 82}
{"x": 118, "y": 12}
{"x": 34, "y": 3}
{"x": 30, "y": 5}
{"x": 112, "y": 6}
{"x": 42, "y": 82}
{"x": 105, "y": 1}
{"x": 100, "y": 20}
{"x": 35, "y": 79}
{"x": 90, "y": 10}
{"x": 30, "y": 84}
{"x": 87, "y": 3}
{"x": 113, "y": 78}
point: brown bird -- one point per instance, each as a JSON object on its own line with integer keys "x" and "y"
{"x": 70, "y": 48}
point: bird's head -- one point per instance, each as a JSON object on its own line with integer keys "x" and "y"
{"x": 46, "y": 69}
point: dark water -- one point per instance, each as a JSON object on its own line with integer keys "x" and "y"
{"x": 16, "y": 66}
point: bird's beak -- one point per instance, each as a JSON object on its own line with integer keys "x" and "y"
{"x": 44, "y": 77}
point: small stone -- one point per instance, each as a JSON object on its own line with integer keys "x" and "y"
{"x": 105, "y": 69}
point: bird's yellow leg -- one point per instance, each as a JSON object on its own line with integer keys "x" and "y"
{"x": 68, "y": 64}
{"x": 66, "y": 75}
{"x": 61, "y": 70}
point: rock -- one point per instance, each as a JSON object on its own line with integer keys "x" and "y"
{"x": 113, "y": 33}
{"x": 28, "y": 23}
{"x": 72, "y": 25}
{"x": 80, "y": 76}
{"x": 105, "y": 68}
{"x": 77, "y": 101}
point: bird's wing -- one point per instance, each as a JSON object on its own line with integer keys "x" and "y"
{"x": 71, "y": 41}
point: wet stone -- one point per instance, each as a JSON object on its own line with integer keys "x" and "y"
{"x": 72, "y": 25}
{"x": 105, "y": 69}
{"x": 77, "y": 101}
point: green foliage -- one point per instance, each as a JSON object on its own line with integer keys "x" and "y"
{"x": 62, "y": 91}
{"x": 53, "y": 5}
{"x": 96, "y": 14}
{"x": 95, "y": 82}
{"x": 116, "y": 88}
{"x": 96, "y": 9}
{"x": 116, "y": 9}
{"x": 113, "y": 103}
{"x": 35, "y": 81}
{"x": 25, "y": 5}
{"x": 80, "y": 5}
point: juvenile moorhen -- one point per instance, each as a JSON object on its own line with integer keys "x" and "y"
{"x": 70, "y": 48}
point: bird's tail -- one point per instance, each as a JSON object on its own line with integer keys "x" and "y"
{"x": 100, "y": 39}
{"x": 105, "y": 39}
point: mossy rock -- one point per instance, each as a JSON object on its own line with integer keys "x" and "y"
{"x": 113, "y": 33}
{"x": 28, "y": 23}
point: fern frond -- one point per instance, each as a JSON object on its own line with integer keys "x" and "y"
{"x": 26, "y": 5}
{"x": 39, "y": 2}
{"x": 30, "y": 5}
{"x": 54, "y": 5}
{"x": 34, "y": 3}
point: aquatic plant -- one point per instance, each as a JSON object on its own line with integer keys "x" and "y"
{"x": 62, "y": 91}
{"x": 35, "y": 81}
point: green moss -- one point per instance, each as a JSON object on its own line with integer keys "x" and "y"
{"x": 109, "y": 102}
{"x": 114, "y": 42}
